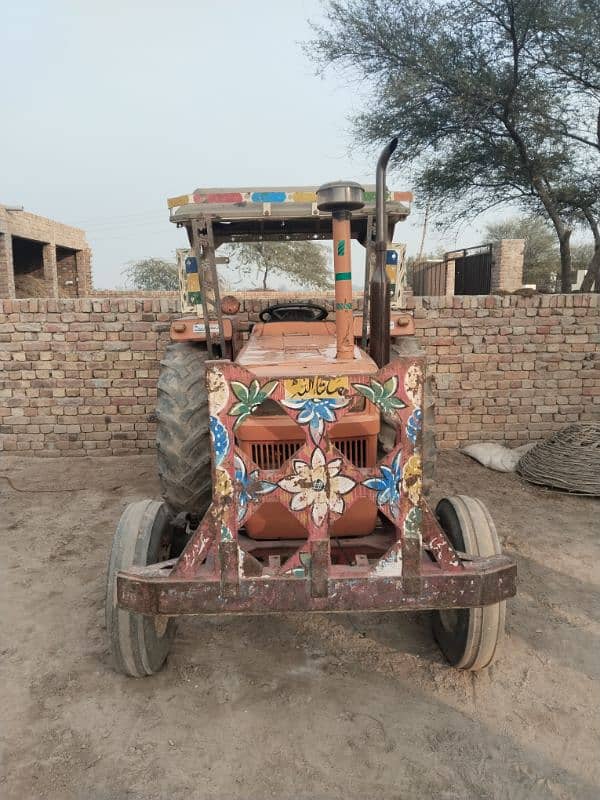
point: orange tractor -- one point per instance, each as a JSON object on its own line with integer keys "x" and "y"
{"x": 282, "y": 488}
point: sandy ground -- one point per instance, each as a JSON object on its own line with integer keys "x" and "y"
{"x": 346, "y": 706}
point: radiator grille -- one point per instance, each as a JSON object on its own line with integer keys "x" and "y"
{"x": 355, "y": 450}
{"x": 271, "y": 455}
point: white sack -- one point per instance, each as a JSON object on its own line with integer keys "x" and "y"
{"x": 496, "y": 456}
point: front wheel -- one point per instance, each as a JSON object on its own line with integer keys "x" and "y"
{"x": 139, "y": 643}
{"x": 469, "y": 637}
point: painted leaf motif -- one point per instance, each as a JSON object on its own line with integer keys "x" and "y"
{"x": 240, "y": 391}
{"x": 412, "y": 523}
{"x": 268, "y": 389}
{"x": 366, "y": 391}
{"x": 253, "y": 390}
{"x": 396, "y": 402}
{"x": 237, "y": 409}
{"x": 378, "y": 390}
{"x": 390, "y": 385}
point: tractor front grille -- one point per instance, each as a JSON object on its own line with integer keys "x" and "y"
{"x": 355, "y": 450}
{"x": 271, "y": 455}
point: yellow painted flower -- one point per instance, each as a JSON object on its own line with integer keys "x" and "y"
{"x": 318, "y": 486}
{"x": 412, "y": 479}
{"x": 217, "y": 389}
{"x": 223, "y": 484}
{"x": 413, "y": 384}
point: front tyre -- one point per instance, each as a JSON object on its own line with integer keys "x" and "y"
{"x": 469, "y": 637}
{"x": 139, "y": 643}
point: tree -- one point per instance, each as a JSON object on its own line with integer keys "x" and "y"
{"x": 152, "y": 274}
{"x": 541, "y": 260}
{"x": 304, "y": 263}
{"x": 473, "y": 96}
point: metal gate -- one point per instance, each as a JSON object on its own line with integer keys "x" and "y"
{"x": 473, "y": 269}
{"x": 429, "y": 278}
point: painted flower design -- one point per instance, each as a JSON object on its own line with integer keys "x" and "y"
{"x": 413, "y": 383}
{"x": 413, "y": 426}
{"x": 388, "y": 486}
{"x": 314, "y": 412}
{"x": 413, "y": 522}
{"x": 218, "y": 391}
{"x": 318, "y": 486}
{"x": 412, "y": 479}
{"x": 249, "y": 486}
{"x": 382, "y": 394}
{"x": 223, "y": 484}
{"x": 220, "y": 439}
{"x": 249, "y": 398}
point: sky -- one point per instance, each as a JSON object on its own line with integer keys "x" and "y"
{"x": 111, "y": 107}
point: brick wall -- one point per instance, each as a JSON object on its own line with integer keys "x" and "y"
{"x": 78, "y": 376}
{"x": 507, "y": 265}
{"x": 75, "y": 280}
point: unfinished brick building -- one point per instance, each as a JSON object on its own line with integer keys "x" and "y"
{"x": 42, "y": 258}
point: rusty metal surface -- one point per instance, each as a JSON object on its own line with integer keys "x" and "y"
{"x": 482, "y": 582}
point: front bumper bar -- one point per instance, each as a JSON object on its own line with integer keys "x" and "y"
{"x": 483, "y": 581}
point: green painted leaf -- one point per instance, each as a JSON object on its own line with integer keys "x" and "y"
{"x": 413, "y": 521}
{"x": 240, "y": 419}
{"x": 391, "y": 385}
{"x": 253, "y": 391}
{"x": 237, "y": 409}
{"x": 377, "y": 389}
{"x": 396, "y": 402}
{"x": 366, "y": 391}
{"x": 240, "y": 391}
{"x": 268, "y": 389}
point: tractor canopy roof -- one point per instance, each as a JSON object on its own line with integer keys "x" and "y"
{"x": 276, "y": 213}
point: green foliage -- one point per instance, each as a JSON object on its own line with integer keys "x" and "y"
{"x": 486, "y": 98}
{"x": 541, "y": 259}
{"x": 304, "y": 263}
{"x": 152, "y": 274}
{"x": 582, "y": 255}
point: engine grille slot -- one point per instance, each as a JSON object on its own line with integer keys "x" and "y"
{"x": 355, "y": 450}
{"x": 271, "y": 455}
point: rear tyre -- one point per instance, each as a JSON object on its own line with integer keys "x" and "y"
{"x": 182, "y": 434}
{"x": 139, "y": 643}
{"x": 469, "y": 637}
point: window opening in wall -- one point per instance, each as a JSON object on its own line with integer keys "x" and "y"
{"x": 28, "y": 264}
{"x": 66, "y": 269}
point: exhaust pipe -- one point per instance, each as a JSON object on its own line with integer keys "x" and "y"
{"x": 342, "y": 198}
{"x": 379, "y": 289}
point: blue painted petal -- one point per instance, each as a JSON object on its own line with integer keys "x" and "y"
{"x": 397, "y": 465}
{"x": 388, "y": 475}
{"x": 326, "y": 413}
{"x": 305, "y": 415}
{"x": 294, "y": 403}
{"x": 384, "y": 496}
{"x": 375, "y": 483}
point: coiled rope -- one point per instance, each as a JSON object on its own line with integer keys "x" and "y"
{"x": 569, "y": 460}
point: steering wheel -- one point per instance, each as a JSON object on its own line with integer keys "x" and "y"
{"x": 293, "y": 312}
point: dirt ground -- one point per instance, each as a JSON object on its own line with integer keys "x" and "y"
{"x": 345, "y": 706}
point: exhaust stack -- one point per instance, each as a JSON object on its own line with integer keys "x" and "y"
{"x": 341, "y": 198}
{"x": 379, "y": 290}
